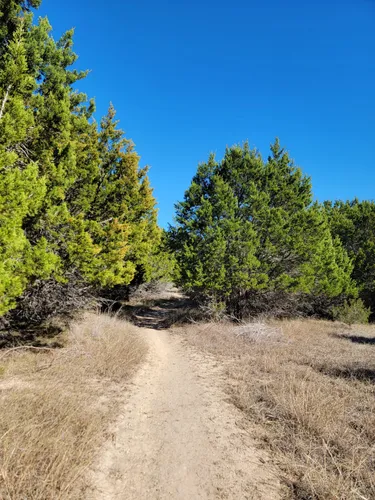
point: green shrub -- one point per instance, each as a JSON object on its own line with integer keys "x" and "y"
{"x": 353, "y": 311}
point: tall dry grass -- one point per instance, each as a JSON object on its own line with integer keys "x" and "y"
{"x": 56, "y": 406}
{"x": 309, "y": 385}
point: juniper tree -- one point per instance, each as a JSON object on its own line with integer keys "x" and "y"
{"x": 353, "y": 222}
{"x": 73, "y": 199}
{"x": 10, "y": 12}
{"x": 22, "y": 188}
{"x": 246, "y": 225}
{"x": 121, "y": 212}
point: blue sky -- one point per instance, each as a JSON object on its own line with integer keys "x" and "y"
{"x": 188, "y": 78}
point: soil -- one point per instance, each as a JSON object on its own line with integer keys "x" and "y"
{"x": 178, "y": 436}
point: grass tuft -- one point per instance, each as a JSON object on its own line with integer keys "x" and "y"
{"x": 56, "y": 406}
{"x": 309, "y": 385}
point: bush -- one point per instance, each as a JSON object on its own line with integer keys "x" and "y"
{"x": 353, "y": 311}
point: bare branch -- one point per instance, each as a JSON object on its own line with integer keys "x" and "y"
{"x": 8, "y": 351}
{"x": 6, "y": 96}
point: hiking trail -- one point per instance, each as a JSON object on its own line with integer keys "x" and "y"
{"x": 178, "y": 437}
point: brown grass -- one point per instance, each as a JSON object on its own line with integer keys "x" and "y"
{"x": 309, "y": 385}
{"x": 56, "y": 406}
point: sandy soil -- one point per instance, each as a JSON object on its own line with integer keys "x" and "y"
{"x": 178, "y": 437}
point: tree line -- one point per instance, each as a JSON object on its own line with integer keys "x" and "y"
{"x": 78, "y": 217}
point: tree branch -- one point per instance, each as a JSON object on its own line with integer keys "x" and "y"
{"x": 8, "y": 351}
{"x": 5, "y": 101}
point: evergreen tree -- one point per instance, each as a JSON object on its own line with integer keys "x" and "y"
{"x": 122, "y": 208}
{"x": 162, "y": 265}
{"x": 215, "y": 248}
{"x": 22, "y": 189}
{"x": 249, "y": 226}
{"x": 10, "y": 12}
{"x": 353, "y": 222}
{"x": 73, "y": 200}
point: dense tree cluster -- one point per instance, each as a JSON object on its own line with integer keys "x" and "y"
{"x": 75, "y": 208}
{"x": 77, "y": 213}
{"x": 249, "y": 236}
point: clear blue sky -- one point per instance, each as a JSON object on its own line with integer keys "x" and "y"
{"x": 190, "y": 77}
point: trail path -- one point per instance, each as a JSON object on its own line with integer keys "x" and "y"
{"x": 178, "y": 437}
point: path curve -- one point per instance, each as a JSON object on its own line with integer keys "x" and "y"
{"x": 178, "y": 437}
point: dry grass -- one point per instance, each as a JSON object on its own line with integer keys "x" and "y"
{"x": 310, "y": 387}
{"x": 56, "y": 406}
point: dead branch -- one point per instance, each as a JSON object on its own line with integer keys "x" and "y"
{"x": 6, "y": 96}
{"x": 9, "y": 351}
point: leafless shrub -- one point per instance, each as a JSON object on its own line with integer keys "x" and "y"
{"x": 45, "y": 299}
{"x": 252, "y": 304}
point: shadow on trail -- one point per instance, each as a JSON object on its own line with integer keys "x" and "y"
{"x": 357, "y": 339}
{"x": 158, "y": 314}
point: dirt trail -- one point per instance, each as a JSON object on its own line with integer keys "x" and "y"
{"x": 177, "y": 437}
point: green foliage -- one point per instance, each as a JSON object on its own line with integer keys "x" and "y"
{"x": 162, "y": 265}
{"x": 22, "y": 188}
{"x": 353, "y": 222}
{"x": 249, "y": 225}
{"x": 73, "y": 200}
{"x": 353, "y": 311}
